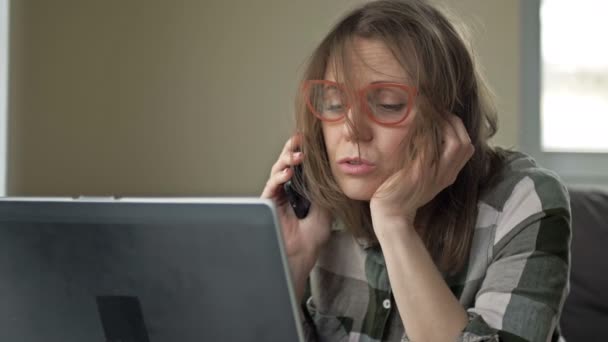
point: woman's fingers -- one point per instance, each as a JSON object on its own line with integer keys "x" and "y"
{"x": 459, "y": 128}
{"x": 289, "y": 155}
{"x": 285, "y": 161}
{"x": 451, "y": 140}
{"x": 457, "y": 149}
{"x": 281, "y": 171}
{"x": 293, "y": 144}
{"x": 275, "y": 182}
{"x": 466, "y": 146}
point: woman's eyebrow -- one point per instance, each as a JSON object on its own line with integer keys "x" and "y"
{"x": 388, "y": 81}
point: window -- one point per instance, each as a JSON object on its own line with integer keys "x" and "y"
{"x": 574, "y": 76}
{"x": 564, "y": 88}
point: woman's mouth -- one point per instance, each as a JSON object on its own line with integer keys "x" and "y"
{"x": 356, "y": 166}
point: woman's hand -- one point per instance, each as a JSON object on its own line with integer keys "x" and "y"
{"x": 303, "y": 238}
{"x": 400, "y": 196}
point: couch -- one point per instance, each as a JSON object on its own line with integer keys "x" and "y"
{"x": 585, "y": 313}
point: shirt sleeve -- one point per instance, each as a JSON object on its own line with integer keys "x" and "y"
{"x": 523, "y": 292}
{"x": 521, "y": 297}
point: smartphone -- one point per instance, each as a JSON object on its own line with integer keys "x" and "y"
{"x": 297, "y": 201}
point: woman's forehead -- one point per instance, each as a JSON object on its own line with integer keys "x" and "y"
{"x": 365, "y": 61}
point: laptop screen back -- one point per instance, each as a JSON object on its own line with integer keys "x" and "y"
{"x": 143, "y": 272}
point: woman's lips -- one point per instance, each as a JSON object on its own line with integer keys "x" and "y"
{"x": 356, "y": 166}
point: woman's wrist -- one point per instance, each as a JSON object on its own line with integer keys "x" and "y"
{"x": 391, "y": 229}
{"x": 383, "y": 214}
{"x": 300, "y": 268}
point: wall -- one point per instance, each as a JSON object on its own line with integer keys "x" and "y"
{"x": 4, "y": 24}
{"x": 184, "y": 97}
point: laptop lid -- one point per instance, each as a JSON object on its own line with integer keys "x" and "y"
{"x": 144, "y": 270}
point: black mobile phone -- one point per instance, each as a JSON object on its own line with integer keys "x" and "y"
{"x": 297, "y": 200}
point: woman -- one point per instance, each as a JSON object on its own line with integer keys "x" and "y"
{"x": 418, "y": 229}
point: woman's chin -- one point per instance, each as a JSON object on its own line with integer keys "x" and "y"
{"x": 358, "y": 193}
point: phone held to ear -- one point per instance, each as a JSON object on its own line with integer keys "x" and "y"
{"x": 299, "y": 203}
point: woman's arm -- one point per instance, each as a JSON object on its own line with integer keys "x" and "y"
{"x": 428, "y": 308}
{"x": 520, "y": 297}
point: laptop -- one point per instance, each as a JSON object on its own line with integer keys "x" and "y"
{"x": 144, "y": 270}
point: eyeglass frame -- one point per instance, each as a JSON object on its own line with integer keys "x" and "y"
{"x": 411, "y": 91}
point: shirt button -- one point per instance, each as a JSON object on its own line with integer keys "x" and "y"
{"x": 386, "y": 304}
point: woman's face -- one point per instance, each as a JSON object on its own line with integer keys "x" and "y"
{"x": 370, "y": 62}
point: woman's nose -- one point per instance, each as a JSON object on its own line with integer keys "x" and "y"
{"x": 357, "y": 126}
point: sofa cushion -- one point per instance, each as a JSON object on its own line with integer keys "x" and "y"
{"x": 585, "y": 314}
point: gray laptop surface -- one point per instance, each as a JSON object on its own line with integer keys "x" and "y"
{"x": 143, "y": 270}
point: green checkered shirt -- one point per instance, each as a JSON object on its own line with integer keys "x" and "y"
{"x": 513, "y": 287}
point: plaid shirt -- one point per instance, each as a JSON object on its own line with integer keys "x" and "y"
{"x": 513, "y": 287}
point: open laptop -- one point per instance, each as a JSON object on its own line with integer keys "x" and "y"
{"x": 144, "y": 270}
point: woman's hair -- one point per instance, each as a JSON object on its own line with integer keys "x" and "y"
{"x": 439, "y": 63}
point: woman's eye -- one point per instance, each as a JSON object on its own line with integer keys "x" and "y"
{"x": 393, "y": 107}
{"x": 334, "y": 107}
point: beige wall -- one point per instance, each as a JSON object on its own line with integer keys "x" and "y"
{"x": 182, "y": 97}
{"x": 495, "y": 28}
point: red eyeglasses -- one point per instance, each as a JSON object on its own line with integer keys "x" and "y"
{"x": 385, "y": 103}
